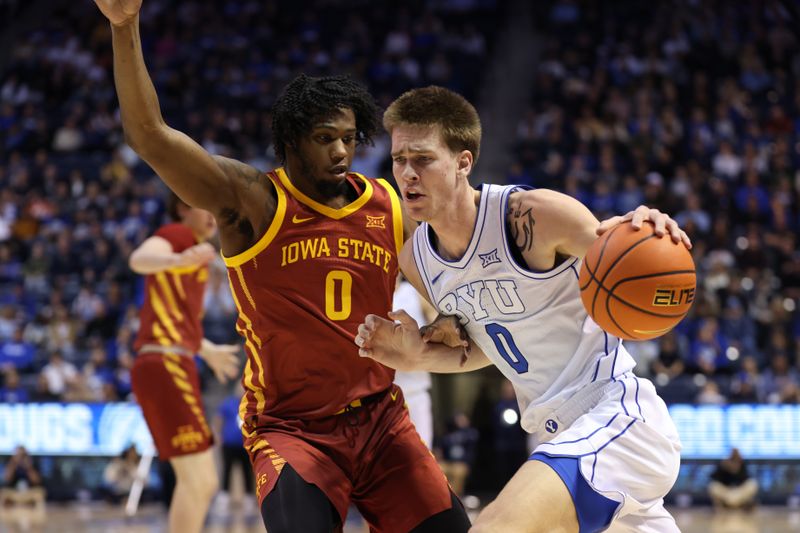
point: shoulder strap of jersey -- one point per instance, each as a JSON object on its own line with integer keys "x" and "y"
{"x": 397, "y": 212}
{"x": 272, "y": 230}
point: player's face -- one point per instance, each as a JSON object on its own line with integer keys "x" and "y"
{"x": 425, "y": 169}
{"x": 327, "y": 152}
{"x": 201, "y": 222}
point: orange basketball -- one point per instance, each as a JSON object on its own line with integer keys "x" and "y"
{"x": 635, "y": 285}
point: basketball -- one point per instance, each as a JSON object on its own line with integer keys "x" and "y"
{"x": 635, "y": 285}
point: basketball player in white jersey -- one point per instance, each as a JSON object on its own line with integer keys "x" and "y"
{"x": 504, "y": 261}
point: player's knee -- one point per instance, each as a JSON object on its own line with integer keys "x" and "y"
{"x": 201, "y": 483}
{"x": 490, "y": 520}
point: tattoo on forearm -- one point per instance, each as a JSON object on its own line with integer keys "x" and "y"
{"x": 522, "y": 223}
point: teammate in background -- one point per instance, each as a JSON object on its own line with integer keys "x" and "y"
{"x": 310, "y": 249}
{"x": 164, "y": 377}
{"x": 416, "y": 385}
{"x": 504, "y": 261}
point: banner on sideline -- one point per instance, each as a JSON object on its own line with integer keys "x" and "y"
{"x": 758, "y": 431}
{"x": 73, "y": 428}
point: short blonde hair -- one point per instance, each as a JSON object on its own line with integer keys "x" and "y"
{"x": 437, "y": 106}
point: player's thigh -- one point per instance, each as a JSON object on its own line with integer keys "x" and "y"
{"x": 534, "y": 500}
{"x": 402, "y": 484}
{"x": 294, "y": 505}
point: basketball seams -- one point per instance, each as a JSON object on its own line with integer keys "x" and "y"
{"x": 592, "y": 277}
{"x": 612, "y": 265}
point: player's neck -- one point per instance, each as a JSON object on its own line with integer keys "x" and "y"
{"x": 331, "y": 194}
{"x": 455, "y": 225}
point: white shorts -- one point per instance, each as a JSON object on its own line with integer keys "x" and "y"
{"x": 627, "y": 447}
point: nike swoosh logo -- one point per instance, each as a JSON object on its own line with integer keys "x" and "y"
{"x": 436, "y": 278}
{"x": 393, "y": 394}
{"x": 298, "y": 220}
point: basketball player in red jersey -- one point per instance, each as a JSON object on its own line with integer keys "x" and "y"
{"x": 164, "y": 375}
{"x": 310, "y": 248}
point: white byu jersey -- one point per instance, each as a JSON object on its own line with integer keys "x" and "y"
{"x": 532, "y": 325}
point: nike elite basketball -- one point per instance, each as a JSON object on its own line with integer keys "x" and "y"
{"x": 635, "y": 285}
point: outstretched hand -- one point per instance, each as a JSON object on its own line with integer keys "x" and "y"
{"x": 394, "y": 344}
{"x": 119, "y": 12}
{"x": 222, "y": 359}
{"x": 663, "y": 223}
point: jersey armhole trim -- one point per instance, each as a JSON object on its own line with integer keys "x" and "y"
{"x": 397, "y": 214}
{"x": 269, "y": 235}
{"x": 419, "y": 262}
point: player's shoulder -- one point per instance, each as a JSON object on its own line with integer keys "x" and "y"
{"x": 541, "y": 203}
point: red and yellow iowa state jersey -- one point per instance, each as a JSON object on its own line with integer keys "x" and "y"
{"x": 302, "y": 291}
{"x": 173, "y": 299}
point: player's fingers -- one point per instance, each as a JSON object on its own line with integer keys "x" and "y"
{"x": 404, "y": 318}
{"x": 659, "y": 220}
{"x": 640, "y": 214}
{"x": 608, "y": 224}
{"x": 220, "y": 375}
{"x": 365, "y": 352}
{"x": 427, "y": 333}
{"x": 686, "y": 240}
{"x": 372, "y": 321}
{"x": 364, "y": 331}
{"x": 674, "y": 230}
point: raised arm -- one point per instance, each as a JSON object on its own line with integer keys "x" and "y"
{"x": 546, "y": 224}
{"x": 219, "y": 185}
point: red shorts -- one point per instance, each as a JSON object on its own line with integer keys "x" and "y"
{"x": 167, "y": 388}
{"x": 371, "y": 456}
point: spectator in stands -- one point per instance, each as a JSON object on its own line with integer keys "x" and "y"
{"x": 709, "y": 349}
{"x": 16, "y": 352}
{"x": 669, "y": 362}
{"x": 510, "y": 440}
{"x": 711, "y": 395}
{"x": 60, "y": 376}
{"x": 12, "y": 391}
{"x": 456, "y": 451}
{"x": 779, "y": 383}
{"x": 22, "y": 483}
{"x": 731, "y": 486}
{"x": 120, "y": 474}
{"x": 744, "y": 386}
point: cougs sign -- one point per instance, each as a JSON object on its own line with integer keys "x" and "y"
{"x": 73, "y": 428}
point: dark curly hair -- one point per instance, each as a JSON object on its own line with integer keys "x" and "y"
{"x": 307, "y": 100}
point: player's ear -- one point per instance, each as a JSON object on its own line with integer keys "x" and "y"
{"x": 464, "y": 163}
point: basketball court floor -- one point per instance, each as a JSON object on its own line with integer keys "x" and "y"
{"x": 103, "y": 518}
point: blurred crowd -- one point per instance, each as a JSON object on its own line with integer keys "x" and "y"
{"x": 691, "y": 107}
{"x": 75, "y": 200}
